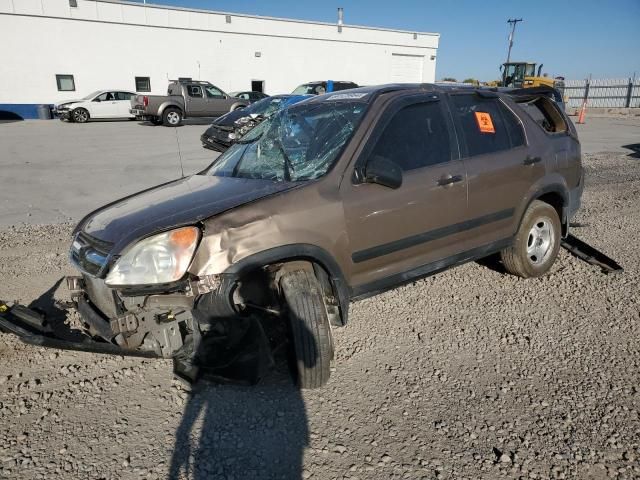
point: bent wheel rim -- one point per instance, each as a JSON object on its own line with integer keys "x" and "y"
{"x": 540, "y": 241}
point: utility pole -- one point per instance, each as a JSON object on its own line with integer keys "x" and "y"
{"x": 513, "y": 22}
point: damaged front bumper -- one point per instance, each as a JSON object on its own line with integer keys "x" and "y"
{"x": 32, "y": 328}
{"x": 151, "y": 325}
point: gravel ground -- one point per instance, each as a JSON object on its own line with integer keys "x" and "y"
{"x": 468, "y": 374}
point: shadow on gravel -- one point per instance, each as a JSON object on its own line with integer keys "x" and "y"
{"x": 635, "y": 147}
{"x": 492, "y": 262}
{"x": 244, "y": 418}
{"x": 241, "y": 433}
{"x": 55, "y": 314}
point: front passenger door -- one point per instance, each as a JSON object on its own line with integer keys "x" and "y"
{"x": 392, "y": 231}
{"x": 219, "y": 102}
{"x": 124, "y": 104}
{"x": 104, "y": 106}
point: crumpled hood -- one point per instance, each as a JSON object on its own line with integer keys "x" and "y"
{"x": 186, "y": 201}
{"x": 68, "y": 102}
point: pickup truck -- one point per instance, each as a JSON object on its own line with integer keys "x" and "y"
{"x": 185, "y": 98}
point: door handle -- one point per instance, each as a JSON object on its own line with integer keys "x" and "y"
{"x": 449, "y": 179}
{"x": 531, "y": 160}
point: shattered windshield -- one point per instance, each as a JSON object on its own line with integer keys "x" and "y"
{"x": 296, "y": 144}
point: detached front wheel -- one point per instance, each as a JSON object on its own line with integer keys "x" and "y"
{"x": 310, "y": 329}
{"x": 536, "y": 244}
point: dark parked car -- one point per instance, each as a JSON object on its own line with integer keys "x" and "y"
{"x": 333, "y": 199}
{"x": 249, "y": 96}
{"x": 320, "y": 88}
{"x": 225, "y": 130}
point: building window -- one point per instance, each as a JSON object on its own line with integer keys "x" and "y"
{"x": 73, "y": 3}
{"x": 143, "y": 84}
{"x": 65, "y": 83}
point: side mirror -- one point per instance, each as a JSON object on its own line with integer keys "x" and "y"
{"x": 383, "y": 172}
{"x": 97, "y": 100}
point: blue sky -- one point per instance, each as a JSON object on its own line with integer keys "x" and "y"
{"x": 572, "y": 38}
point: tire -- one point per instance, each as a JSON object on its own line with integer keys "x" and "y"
{"x": 80, "y": 115}
{"x": 156, "y": 120}
{"x": 238, "y": 107}
{"x": 172, "y": 117}
{"x": 310, "y": 329}
{"x": 536, "y": 243}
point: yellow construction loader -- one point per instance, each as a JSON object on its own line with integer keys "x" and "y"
{"x": 524, "y": 75}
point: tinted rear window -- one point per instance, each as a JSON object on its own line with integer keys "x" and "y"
{"x": 487, "y": 125}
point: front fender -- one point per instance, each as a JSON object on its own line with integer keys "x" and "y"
{"x": 292, "y": 252}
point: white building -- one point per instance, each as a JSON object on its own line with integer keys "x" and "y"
{"x": 59, "y": 49}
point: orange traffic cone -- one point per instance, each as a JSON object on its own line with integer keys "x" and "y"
{"x": 583, "y": 112}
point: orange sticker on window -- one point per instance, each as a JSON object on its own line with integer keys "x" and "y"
{"x": 484, "y": 122}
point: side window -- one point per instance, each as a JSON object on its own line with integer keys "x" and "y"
{"x": 480, "y": 119}
{"x": 513, "y": 126}
{"x": 545, "y": 113}
{"x": 213, "y": 92}
{"x": 123, "y": 95}
{"x": 417, "y": 136}
{"x": 105, "y": 97}
{"x": 194, "y": 91}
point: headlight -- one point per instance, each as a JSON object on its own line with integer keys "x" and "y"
{"x": 231, "y": 136}
{"x": 163, "y": 258}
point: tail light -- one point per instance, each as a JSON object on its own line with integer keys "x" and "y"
{"x": 145, "y": 101}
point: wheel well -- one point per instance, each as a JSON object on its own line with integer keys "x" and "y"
{"x": 557, "y": 202}
{"x": 255, "y": 280}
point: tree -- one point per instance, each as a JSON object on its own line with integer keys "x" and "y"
{"x": 471, "y": 80}
{"x": 449, "y": 79}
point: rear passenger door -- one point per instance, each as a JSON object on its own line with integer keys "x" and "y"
{"x": 496, "y": 157}
{"x": 123, "y": 99}
{"x": 392, "y": 231}
{"x": 196, "y": 103}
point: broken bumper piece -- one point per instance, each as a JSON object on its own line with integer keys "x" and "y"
{"x": 31, "y": 327}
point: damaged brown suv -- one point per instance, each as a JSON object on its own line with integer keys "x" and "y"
{"x": 331, "y": 200}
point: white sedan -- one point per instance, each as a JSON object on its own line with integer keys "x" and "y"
{"x": 100, "y": 104}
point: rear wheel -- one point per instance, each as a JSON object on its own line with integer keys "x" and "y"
{"x": 310, "y": 330}
{"x": 80, "y": 115}
{"x": 536, "y": 244}
{"x": 172, "y": 117}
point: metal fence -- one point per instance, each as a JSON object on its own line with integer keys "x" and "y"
{"x": 604, "y": 92}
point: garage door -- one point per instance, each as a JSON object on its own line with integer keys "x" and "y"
{"x": 406, "y": 68}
